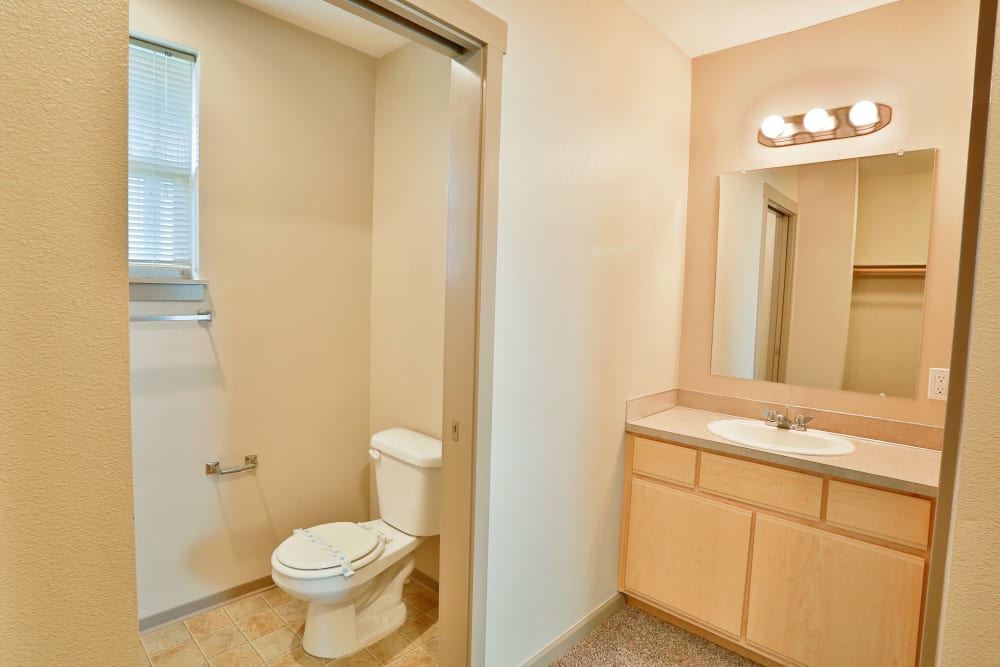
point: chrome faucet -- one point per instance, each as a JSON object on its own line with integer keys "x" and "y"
{"x": 778, "y": 420}
{"x": 800, "y": 422}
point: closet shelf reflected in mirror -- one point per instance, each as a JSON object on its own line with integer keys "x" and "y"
{"x": 891, "y": 270}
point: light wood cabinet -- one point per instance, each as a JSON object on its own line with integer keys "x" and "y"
{"x": 784, "y": 566}
{"x": 895, "y": 517}
{"x": 663, "y": 461}
{"x": 825, "y": 600}
{"x": 676, "y": 562}
{"x": 767, "y": 486}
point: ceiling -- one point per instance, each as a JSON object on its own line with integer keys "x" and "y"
{"x": 696, "y": 26}
{"x": 332, "y": 22}
{"x": 703, "y": 26}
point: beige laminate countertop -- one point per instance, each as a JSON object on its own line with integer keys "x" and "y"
{"x": 884, "y": 464}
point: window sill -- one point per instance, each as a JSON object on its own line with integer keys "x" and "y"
{"x": 166, "y": 289}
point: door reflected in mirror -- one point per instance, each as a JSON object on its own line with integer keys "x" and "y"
{"x": 820, "y": 273}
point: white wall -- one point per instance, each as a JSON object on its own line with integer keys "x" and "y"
{"x": 594, "y": 150}
{"x": 409, "y": 240}
{"x": 286, "y": 166}
{"x": 737, "y": 313}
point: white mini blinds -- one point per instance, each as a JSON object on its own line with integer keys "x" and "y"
{"x": 162, "y": 161}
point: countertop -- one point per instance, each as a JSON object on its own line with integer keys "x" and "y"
{"x": 885, "y": 464}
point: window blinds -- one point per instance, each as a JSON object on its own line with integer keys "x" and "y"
{"x": 162, "y": 161}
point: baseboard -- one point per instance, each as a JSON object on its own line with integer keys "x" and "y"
{"x": 200, "y": 605}
{"x": 575, "y": 633}
{"x": 425, "y": 580}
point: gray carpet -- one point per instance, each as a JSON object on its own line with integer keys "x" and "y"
{"x": 632, "y": 638}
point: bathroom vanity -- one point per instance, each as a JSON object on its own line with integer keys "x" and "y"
{"x": 787, "y": 559}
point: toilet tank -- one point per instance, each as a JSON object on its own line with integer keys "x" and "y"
{"x": 408, "y": 480}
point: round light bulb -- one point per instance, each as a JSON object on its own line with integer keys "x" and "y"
{"x": 863, "y": 113}
{"x": 773, "y": 127}
{"x": 816, "y": 120}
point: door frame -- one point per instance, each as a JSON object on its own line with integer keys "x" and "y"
{"x": 474, "y": 130}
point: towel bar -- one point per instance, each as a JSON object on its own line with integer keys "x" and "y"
{"x": 249, "y": 463}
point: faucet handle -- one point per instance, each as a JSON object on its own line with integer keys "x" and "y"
{"x": 801, "y": 421}
{"x": 770, "y": 416}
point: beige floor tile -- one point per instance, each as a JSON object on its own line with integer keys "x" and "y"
{"x": 417, "y": 658}
{"x": 209, "y": 622}
{"x": 260, "y": 624}
{"x": 243, "y": 656}
{"x": 276, "y": 643}
{"x": 297, "y": 658}
{"x": 361, "y": 659}
{"x": 423, "y": 600}
{"x": 293, "y": 611}
{"x": 276, "y": 597}
{"x": 246, "y": 607}
{"x": 411, "y": 611}
{"x": 420, "y": 630}
{"x": 431, "y": 649}
{"x": 184, "y": 655}
{"x": 164, "y": 638}
{"x": 390, "y": 648}
{"x": 298, "y": 627}
{"x": 221, "y": 641}
{"x": 433, "y": 614}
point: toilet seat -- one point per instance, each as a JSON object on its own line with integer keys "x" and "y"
{"x": 358, "y": 545}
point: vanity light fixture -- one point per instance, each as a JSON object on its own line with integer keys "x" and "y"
{"x": 820, "y": 124}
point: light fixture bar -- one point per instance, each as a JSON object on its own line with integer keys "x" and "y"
{"x": 839, "y": 125}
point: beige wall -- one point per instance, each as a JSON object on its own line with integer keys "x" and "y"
{"x": 67, "y": 562}
{"x": 592, "y": 205}
{"x": 894, "y": 220}
{"x": 821, "y": 288}
{"x": 286, "y": 196}
{"x": 915, "y": 55}
{"x": 409, "y": 237}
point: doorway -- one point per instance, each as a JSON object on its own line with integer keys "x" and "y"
{"x": 245, "y": 504}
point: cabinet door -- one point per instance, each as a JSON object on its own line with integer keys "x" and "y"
{"x": 828, "y": 601}
{"x": 688, "y": 554}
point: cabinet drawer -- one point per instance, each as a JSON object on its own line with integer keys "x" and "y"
{"x": 774, "y": 488}
{"x": 668, "y": 462}
{"x": 895, "y": 517}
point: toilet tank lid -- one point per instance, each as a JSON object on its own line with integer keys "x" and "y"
{"x": 409, "y": 446}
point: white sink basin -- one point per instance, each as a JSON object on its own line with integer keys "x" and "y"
{"x": 763, "y": 436}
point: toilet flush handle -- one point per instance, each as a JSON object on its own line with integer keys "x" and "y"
{"x": 374, "y": 453}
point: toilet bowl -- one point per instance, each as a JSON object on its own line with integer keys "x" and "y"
{"x": 352, "y": 574}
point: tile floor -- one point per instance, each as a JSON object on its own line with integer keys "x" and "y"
{"x": 633, "y": 638}
{"x": 265, "y": 628}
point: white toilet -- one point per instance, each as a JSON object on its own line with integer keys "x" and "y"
{"x": 352, "y": 574}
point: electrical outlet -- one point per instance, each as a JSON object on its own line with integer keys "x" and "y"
{"x": 937, "y": 384}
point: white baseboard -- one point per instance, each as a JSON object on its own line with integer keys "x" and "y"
{"x": 575, "y": 633}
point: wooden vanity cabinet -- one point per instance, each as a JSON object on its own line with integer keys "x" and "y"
{"x": 827, "y": 600}
{"x": 673, "y": 560}
{"x": 784, "y": 566}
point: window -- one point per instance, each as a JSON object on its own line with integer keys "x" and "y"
{"x": 162, "y": 161}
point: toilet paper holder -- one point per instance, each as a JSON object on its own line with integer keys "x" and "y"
{"x": 213, "y": 468}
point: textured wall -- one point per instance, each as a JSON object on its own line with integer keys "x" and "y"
{"x": 285, "y": 198}
{"x": 593, "y": 169}
{"x": 67, "y": 577}
{"x": 972, "y": 597}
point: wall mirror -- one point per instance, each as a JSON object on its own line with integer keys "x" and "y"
{"x": 820, "y": 273}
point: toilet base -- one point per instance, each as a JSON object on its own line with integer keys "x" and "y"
{"x": 338, "y": 629}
